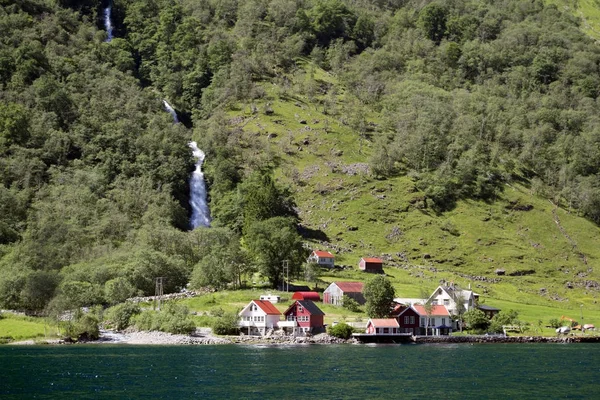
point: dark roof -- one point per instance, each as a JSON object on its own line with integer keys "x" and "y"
{"x": 484, "y": 307}
{"x": 308, "y": 305}
{"x": 443, "y": 327}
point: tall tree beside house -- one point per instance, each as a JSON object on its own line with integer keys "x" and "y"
{"x": 379, "y": 294}
{"x": 459, "y": 310}
{"x": 428, "y": 306}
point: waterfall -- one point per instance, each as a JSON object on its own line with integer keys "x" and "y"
{"x": 107, "y": 22}
{"x": 200, "y": 211}
{"x": 171, "y": 111}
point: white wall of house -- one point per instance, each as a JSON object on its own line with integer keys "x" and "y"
{"x": 324, "y": 261}
{"x": 442, "y": 298}
{"x": 256, "y": 320}
{"x": 335, "y": 294}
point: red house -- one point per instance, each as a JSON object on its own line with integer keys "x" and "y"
{"x": 312, "y": 296}
{"x": 307, "y": 316}
{"x": 409, "y": 320}
{"x": 368, "y": 264}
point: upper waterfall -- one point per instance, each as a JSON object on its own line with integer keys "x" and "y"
{"x": 171, "y": 111}
{"x": 107, "y": 22}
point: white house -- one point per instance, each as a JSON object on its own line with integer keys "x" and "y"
{"x": 437, "y": 322}
{"x": 323, "y": 258}
{"x": 452, "y": 295}
{"x": 258, "y": 317}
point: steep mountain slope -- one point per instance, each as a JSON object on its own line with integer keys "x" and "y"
{"x": 546, "y": 253}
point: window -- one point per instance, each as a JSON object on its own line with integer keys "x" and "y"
{"x": 291, "y": 318}
{"x": 446, "y": 302}
{"x": 253, "y": 307}
{"x": 443, "y": 321}
{"x": 422, "y": 321}
{"x": 406, "y": 319}
{"x": 412, "y": 319}
{"x": 434, "y": 302}
{"x": 300, "y": 308}
{"x": 386, "y": 330}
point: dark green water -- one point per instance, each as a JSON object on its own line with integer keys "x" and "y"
{"x": 507, "y": 371}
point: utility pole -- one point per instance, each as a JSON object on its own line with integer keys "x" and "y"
{"x": 286, "y": 274}
{"x": 158, "y": 291}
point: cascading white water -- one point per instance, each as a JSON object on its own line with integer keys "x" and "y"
{"x": 107, "y": 22}
{"x": 200, "y": 211}
{"x": 171, "y": 111}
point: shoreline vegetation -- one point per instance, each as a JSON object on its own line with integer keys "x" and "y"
{"x": 162, "y": 338}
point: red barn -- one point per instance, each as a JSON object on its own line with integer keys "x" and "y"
{"x": 368, "y": 264}
{"x": 308, "y": 317}
{"x": 312, "y": 296}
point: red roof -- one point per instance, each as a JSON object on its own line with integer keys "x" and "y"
{"x": 324, "y": 254}
{"x": 373, "y": 260}
{"x": 435, "y": 310}
{"x": 314, "y": 296}
{"x": 352, "y": 287}
{"x": 267, "y": 307}
{"x": 384, "y": 323}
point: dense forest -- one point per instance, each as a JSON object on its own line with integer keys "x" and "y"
{"x": 468, "y": 96}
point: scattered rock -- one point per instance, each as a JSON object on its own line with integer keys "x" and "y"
{"x": 500, "y": 272}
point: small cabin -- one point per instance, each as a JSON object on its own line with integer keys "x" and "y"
{"x": 369, "y": 264}
{"x": 271, "y": 297}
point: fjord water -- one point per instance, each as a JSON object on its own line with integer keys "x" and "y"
{"x": 508, "y": 371}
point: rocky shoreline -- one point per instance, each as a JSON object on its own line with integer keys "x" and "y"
{"x": 205, "y": 337}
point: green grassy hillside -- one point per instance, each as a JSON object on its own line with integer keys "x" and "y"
{"x": 549, "y": 255}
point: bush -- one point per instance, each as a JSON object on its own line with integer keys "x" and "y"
{"x": 173, "y": 318}
{"x": 227, "y": 324}
{"x": 83, "y": 327}
{"x": 555, "y": 323}
{"x": 350, "y": 304}
{"x": 217, "y": 312}
{"x": 341, "y": 330}
{"x": 121, "y": 314}
{"x": 476, "y": 320}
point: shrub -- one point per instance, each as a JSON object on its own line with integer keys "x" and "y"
{"x": 227, "y": 324}
{"x": 83, "y": 327}
{"x": 173, "y": 318}
{"x": 121, "y": 314}
{"x": 217, "y": 312}
{"x": 341, "y": 330}
{"x": 476, "y": 320}
{"x": 350, "y": 304}
{"x": 555, "y": 323}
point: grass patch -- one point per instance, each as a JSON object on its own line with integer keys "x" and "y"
{"x": 18, "y": 327}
